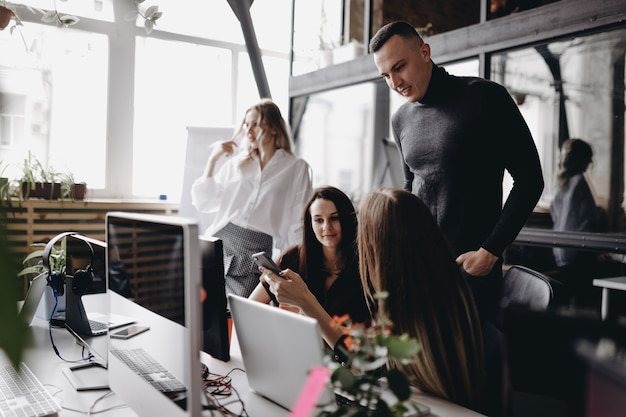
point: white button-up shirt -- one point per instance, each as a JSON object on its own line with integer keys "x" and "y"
{"x": 270, "y": 200}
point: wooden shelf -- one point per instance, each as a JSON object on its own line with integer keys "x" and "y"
{"x": 37, "y": 221}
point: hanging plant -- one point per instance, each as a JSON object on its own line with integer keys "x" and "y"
{"x": 150, "y": 15}
{"x": 47, "y": 16}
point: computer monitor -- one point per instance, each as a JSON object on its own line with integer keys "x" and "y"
{"x": 214, "y": 306}
{"x": 160, "y": 256}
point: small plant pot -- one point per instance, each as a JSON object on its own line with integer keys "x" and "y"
{"x": 45, "y": 190}
{"x": 53, "y": 191}
{"x": 5, "y": 17}
{"x": 78, "y": 192}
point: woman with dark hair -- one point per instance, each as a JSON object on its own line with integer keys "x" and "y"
{"x": 258, "y": 196}
{"x": 320, "y": 276}
{"x": 403, "y": 252}
{"x": 574, "y": 209}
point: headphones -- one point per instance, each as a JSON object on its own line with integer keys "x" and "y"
{"x": 82, "y": 278}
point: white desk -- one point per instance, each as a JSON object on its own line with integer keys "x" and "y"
{"x": 42, "y": 360}
{"x": 616, "y": 283}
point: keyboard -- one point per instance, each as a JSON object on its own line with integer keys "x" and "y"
{"x": 22, "y": 394}
{"x": 147, "y": 367}
{"x": 98, "y": 327}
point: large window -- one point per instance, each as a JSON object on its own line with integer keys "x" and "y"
{"x": 112, "y": 104}
{"x": 341, "y": 153}
{"x": 53, "y": 91}
{"x": 574, "y": 88}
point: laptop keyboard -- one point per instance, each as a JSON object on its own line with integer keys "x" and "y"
{"x": 146, "y": 366}
{"x": 22, "y": 394}
{"x": 97, "y": 326}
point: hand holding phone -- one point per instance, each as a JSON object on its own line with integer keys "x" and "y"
{"x": 261, "y": 259}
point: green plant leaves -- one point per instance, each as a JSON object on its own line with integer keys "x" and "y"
{"x": 367, "y": 351}
{"x": 12, "y": 331}
{"x": 401, "y": 347}
{"x": 399, "y": 384}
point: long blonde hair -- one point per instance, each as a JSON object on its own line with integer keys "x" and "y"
{"x": 270, "y": 118}
{"x": 403, "y": 252}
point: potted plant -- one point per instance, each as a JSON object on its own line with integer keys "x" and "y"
{"x": 38, "y": 181}
{"x": 372, "y": 389}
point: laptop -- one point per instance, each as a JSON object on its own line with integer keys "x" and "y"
{"x": 279, "y": 349}
{"x": 93, "y": 323}
{"x": 33, "y": 298}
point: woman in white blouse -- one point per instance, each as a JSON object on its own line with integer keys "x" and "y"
{"x": 258, "y": 195}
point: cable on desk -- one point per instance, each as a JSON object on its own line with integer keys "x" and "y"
{"x": 216, "y": 387}
{"x": 89, "y": 357}
{"x": 90, "y": 411}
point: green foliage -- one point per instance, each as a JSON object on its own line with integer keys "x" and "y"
{"x": 34, "y": 172}
{"x": 12, "y": 331}
{"x": 365, "y": 377}
{"x": 6, "y": 194}
{"x": 56, "y": 260}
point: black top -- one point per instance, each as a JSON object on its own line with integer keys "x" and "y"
{"x": 345, "y": 296}
{"x": 456, "y": 144}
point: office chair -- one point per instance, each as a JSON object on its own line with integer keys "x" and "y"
{"x": 525, "y": 294}
{"x": 527, "y": 287}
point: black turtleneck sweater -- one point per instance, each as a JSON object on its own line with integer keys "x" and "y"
{"x": 456, "y": 143}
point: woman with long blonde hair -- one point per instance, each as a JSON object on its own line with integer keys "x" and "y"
{"x": 258, "y": 196}
{"x": 403, "y": 252}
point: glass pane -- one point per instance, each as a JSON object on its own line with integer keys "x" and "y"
{"x": 62, "y": 78}
{"x": 209, "y": 19}
{"x": 272, "y": 24}
{"x": 216, "y": 20}
{"x": 574, "y": 88}
{"x": 176, "y": 85}
{"x": 277, "y": 72}
{"x": 333, "y": 126}
{"x": 317, "y": 30}
{"x": 93, "y": 9}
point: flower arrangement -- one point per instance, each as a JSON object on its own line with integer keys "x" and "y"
{"x": 372, "y": 389}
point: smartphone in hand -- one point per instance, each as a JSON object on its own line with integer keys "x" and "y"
{"x": 261, "y": 259}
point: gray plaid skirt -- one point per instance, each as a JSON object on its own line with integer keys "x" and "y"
{"x": 242, "y": 274}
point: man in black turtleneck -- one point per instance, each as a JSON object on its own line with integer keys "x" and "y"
{"x": 456, "y": 136}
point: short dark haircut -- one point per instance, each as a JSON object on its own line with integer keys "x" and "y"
{"x": 403, "y": 29}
